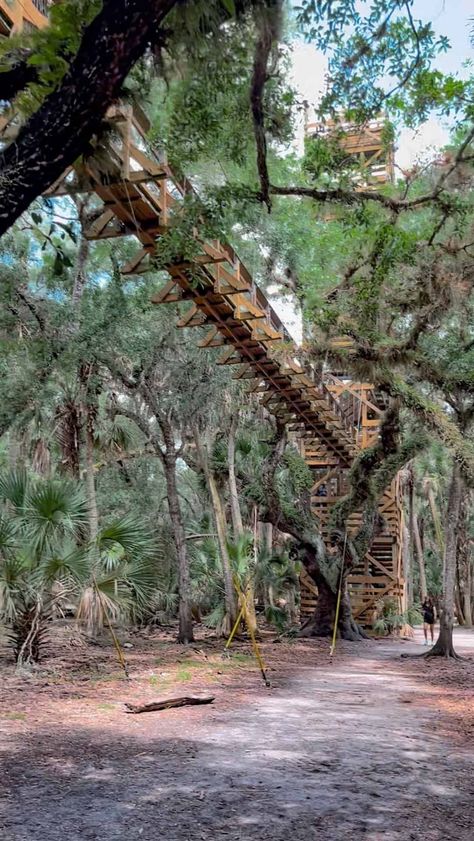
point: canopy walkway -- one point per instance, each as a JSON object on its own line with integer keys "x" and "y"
{"x": 331, "y": 419}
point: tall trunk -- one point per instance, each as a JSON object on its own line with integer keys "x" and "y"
{"x": 90, "y": 393}
{"x": 80, "y": 277}
{"x": 407, "y": 563}
{"x": 444, "y": 644}
{"x": 236, "y": 514}
{"x": 438, "y": 527}
{"x": 221, "y": 528}
{"x": 419, "y": 554}
{"x": 265, "y": 535}
{"x": 249, "y": 588}
{"x": 268, "y": 537}
{"x": 464, "y": 560}
{"x": 93, "y": 514}
{"x": 185, "y": 633}
{"x": 292, "y": 609}
{"x": 415, "y": 532}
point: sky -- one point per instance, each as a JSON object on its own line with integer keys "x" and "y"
{"x": 448, "y": 17}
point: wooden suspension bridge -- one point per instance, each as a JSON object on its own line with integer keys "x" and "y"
{"x": 137, "y": 195}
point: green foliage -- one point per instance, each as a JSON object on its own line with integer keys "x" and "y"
{"x": 45, "y": 561}
{"x": 203, "y": 114}
{"x": 390, "y": 620}
{"x": 52, "y": 48}
{"x": 380, "y": 58}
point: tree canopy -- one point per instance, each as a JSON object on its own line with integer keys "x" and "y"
{"x": 100, "y": 386}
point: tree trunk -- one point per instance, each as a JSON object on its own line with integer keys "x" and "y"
{"x": 58, "y": 132}
{"x": 419, "y": 554}
{"x": 415, "y": 533}
{"x": 236, "y": 514}
{"x": 249, "y": 589}
{"x": 221, "y": 528}
{"x": 90, "y": 482}
{"x": 347, "y": 626}
{"x": 407, "y": 563}
{"x": 268, "y": 537}
{"x": 185, "y": 633}
{"x": 444, "y": 644}
{"x": 321, "y": 624}
{"x": 292, "y": 609}
{"x": 80, "y": 277}
{"x": 438, "y": 528}
{"x": 464, "y": 560}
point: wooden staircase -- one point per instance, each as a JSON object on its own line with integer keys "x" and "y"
{"x": 137, "y": 195}
{"x": 380, "y": 575}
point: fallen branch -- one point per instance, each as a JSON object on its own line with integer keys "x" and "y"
{"x": 167, "y": 703}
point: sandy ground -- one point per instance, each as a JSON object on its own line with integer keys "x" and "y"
{"x": 367, "y": 746}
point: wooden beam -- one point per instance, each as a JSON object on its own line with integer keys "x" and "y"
{"x": 192, "y": 318}
{"x": 212, "y": 339}
{"x": 169, "y": 294}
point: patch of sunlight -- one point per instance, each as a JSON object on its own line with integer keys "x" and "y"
{"x": 13, "y": 716}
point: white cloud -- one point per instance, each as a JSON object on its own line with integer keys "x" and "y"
{"x": 420, "y": 145}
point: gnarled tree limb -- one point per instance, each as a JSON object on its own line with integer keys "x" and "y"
{"x": 58, "y": 133}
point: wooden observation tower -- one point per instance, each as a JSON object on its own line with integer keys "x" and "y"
{"x": 380, "y": 574}
{"x": 17, "y": 15}
{"x": 136, "y": 193}
{"x": 365, "y": 145}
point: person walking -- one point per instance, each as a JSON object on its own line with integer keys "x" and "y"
{"x": 428, "y": 619}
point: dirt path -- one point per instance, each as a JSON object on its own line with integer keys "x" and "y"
{"x": 339, "y": 752}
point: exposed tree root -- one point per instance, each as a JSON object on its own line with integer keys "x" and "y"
{"x": 446, "y": 654}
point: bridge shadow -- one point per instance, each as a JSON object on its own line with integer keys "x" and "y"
{"x": 271, "y": 772}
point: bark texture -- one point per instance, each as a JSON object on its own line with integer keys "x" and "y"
{"x": 221, "y": 529}
{"x": 419, "y": 554}
{"x": 92, "y": 510}
{"x": 236, "y": 514}
{"x": 168, "y": 453}
{"x": 444, "y": 644}
{"x": 185, "y": 634}
{"x": 465, "y": 559}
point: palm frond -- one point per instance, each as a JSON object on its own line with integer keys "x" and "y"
{"x": 69, "y": 562}
{"x": 9, "y": 536}
{"x": 129, "y": 533}
{"x": 53, "y": 508}
{"x": 141, "y": 577}
{"x": 14, "y": 487}
{"x": 119, "y": 434}
{"x": 11, "y": 573}
{"x": 215, "y": 617}
{"x": 105, "y": 598}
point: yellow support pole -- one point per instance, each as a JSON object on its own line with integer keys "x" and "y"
{"x": 255, "y": 646}
{"x": 234, "y": 629}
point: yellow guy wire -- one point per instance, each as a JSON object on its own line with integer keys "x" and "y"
{"x": 338, "y": 602}
{"x": 243, "y": 614}
{"x": 115, "y": 641}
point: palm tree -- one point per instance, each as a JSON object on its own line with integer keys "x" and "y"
{"x": 46, "y": 558}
